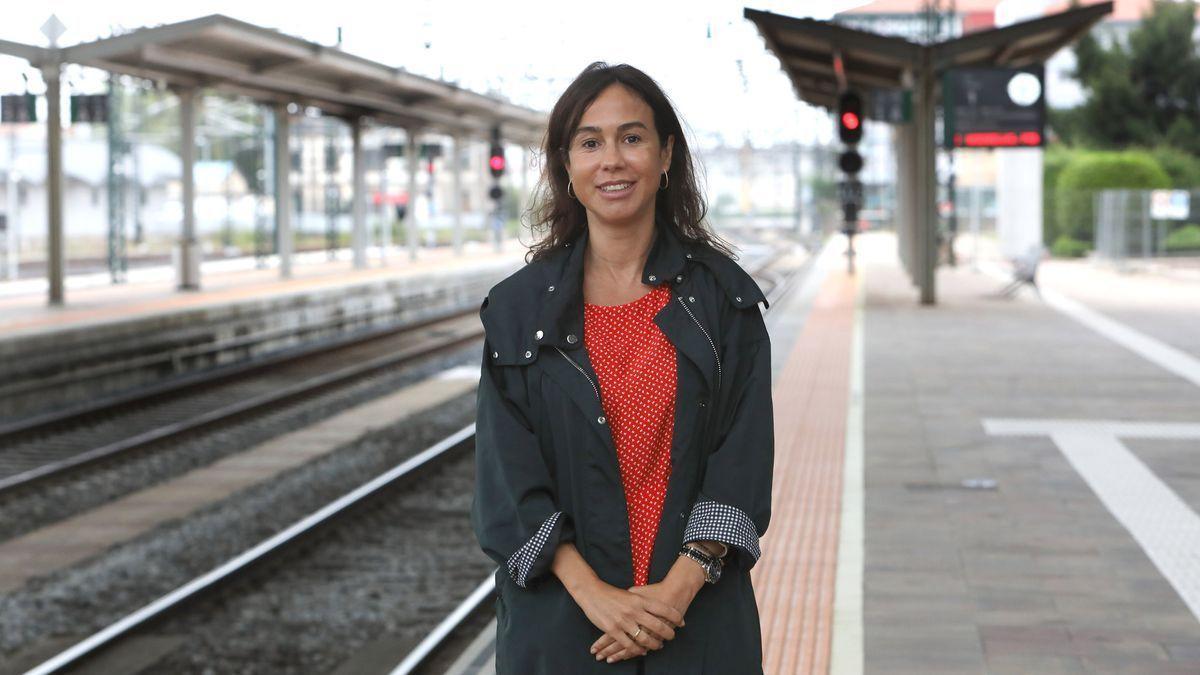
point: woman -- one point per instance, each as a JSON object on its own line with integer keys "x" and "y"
{"x": 624, "y": 439}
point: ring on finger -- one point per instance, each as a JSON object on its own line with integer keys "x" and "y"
{"x": 639, "y": 632}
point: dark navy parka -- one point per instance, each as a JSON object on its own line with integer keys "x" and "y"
{"x": 547, "y": 467}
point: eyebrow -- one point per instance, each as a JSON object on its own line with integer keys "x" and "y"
{"x": 623, "y": 127}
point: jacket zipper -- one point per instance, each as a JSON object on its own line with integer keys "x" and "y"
{"x": 581, "y": 372}
{"x": 708, "y": 337}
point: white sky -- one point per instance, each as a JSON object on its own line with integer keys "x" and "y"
{"x": 528, "y": 50}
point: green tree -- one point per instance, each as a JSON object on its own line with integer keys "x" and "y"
{"x": 1143, "y": 93}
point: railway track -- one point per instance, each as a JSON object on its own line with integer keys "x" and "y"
{"x": 354, "y": 530}
{"x": 51, "y": 446}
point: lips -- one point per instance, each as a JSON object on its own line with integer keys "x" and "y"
{"x": 614, "y": 188}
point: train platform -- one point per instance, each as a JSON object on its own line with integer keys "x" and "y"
{"x": 987, "y": 485}
{"x": 110, "y": 339}
{"x": 92, "y": 299}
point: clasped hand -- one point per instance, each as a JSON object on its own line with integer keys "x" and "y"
{"x": 657, "y": 609}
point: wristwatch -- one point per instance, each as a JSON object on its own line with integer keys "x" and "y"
{"x": 712, "y": 565}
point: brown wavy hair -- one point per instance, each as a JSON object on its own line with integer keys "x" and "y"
{"x": 556, "y": 218}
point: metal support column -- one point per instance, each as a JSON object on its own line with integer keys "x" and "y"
{"x": 12, "y": 208}
{"x": 54, "y": 182}
{"x": 359, "y": 196}
{"x": 456, "y": 164}
{"x": 906, "y": 203}
{"x": 188, "y": 272}
{"x": 283, "y": 189}
{"x": 387, "y": 211}
{"x": 926, "y": 180}
{"x": 411, "y": 159}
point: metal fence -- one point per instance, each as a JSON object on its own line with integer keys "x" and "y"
{"x": 1137, "y": 223}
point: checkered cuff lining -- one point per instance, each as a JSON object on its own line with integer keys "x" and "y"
{"x": 522, "y": 561}
{"x": 714, "y": 521}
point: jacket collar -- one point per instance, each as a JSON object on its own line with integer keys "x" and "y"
{"x": 561, "y": 314}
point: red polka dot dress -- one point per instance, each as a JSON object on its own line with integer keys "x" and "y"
{"x": 635, "y": 364}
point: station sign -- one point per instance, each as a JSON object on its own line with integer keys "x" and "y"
{"x": 1170, "y": 204}
{"x": 89, "y": 108}
{"x": 994, "y": 107}
{"x": 18, "y": 108}
{"x": 426, "y": 151}
{"x": 890, "y": 105}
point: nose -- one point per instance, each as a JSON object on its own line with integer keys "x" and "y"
{"x": 612, "y": 157}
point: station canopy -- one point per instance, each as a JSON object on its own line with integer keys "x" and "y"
{"x": 224, "y": 54}
{"x": 808, "y": 50}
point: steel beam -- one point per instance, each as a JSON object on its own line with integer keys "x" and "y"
{"x": 54, "y": 182}
{"x": 359, "y": 197}
{"x": 456, "y": 164}
{"x": 283, "y": 188}
{"x": 188, "y": 272}
{"x": 412, "y": 161}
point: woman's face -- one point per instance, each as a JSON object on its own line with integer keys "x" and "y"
{"x": 615, "y": 160}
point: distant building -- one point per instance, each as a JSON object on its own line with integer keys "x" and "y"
{"x": 152, "y": 170}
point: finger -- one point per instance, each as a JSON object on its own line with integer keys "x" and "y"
{"x": 604, "y": 641}
{"x": 620, "y": 656}
{"x": 663, "y": 611}
{"x": 612, "y": 649}
{"x": 657, "y": 627}
{"x": 626, "y": 642}
{"x": 646, "y": 639}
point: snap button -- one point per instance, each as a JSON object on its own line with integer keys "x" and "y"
{"x": 738, "y": 298}
{"x": 652, "y": 278}
{"x": 688, "y": 256}
{"x": 551, "y": 289}
{"x": 679, "y": 278}
{"x": 601, "y": 419}
{"x": 528, "y": 354}
{"x": 691, "y": 298}
{"x": 571, "y": 339}
{"x": 703, "y": 402}
{"x": 495, "y": 355}
{"x": 538, "y": 335}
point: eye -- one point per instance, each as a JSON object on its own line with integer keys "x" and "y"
{"x": 589, "y": 144}
{"x": 633, "y": 138}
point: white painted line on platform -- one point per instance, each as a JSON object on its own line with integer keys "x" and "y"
{"x": 848, "y": 647}
{"x": 1174, "y": 360}
{"x": 1166, "y": 528}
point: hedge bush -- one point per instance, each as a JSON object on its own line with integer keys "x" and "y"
{"x": 1182, "y": 167}
{"x": 1053, "y": 162}
{"x": 1186, "y": 238}
{"x": 1066, "y": 247}
{"x": 1087, "y": 173}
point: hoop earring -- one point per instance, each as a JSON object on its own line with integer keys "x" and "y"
{"x": 570, "y": 193}
{"x": 665, "y": 182}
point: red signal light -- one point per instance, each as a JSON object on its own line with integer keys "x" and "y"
{"x": 496, "y": 162}
{"x": 850, "y": 120}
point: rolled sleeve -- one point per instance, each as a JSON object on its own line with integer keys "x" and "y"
{"x": 714, "y": 521}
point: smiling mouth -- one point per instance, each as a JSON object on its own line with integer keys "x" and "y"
{"x": 615, "y": 187}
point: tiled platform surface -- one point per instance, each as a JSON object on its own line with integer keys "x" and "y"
{"x": 1035, "y": 575}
